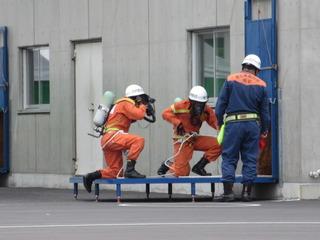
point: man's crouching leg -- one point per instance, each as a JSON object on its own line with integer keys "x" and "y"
{"x": 199, "y": 167}
{"x": 89, "y": 178}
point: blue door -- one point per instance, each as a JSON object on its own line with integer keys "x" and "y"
{"x": 4, "y": 110}
{"x": 261, "y": 39}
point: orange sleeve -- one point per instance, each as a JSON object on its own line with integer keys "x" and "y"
{"x": 133, "y": 112}
{"x": 211, "y": 117}
{"x": 169, "y": 116}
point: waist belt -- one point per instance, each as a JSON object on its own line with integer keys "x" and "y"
{"x": 242, "y": 117}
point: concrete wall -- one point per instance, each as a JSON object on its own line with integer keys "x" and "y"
{"x": 298, "y": 39}
{"x": 148, "y": 42}
{"x": 144, "y": 42}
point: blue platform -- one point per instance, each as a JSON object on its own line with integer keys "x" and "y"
{"x": 159, "y": 180}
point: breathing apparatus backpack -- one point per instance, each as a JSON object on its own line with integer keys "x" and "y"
{"x": 102, "y": 112}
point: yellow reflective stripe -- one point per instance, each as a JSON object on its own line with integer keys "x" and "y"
{"x": 107, "y": 129}
{"x": 243, "y": 116}
{"x": 182, "y": 111}
{"x": 179, "y": 110}
{"x": 125, "y": 99}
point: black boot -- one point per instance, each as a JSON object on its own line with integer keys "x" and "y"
{"x": 89, "y": 178}
{"x": 131, "y": 172}
{"x": 199, "y": 167}
{"x": 163, "y": 169}
{"x": 228, "y": 195}
{"x": 246, "y": 192}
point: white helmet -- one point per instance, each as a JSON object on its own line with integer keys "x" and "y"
{"x": 253, "y": 60}
{"x": 134, "y": 90}
{"x": 199, "y": 94}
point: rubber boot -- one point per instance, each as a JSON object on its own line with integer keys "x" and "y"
{"x": 199, "y": 167}
{"x": 89, "y": 178}
{"x": 163, "y": 169}
{"x": 228, "y": 195}
{"x": 246, "y": 193}
{"x": 131, "y": 172}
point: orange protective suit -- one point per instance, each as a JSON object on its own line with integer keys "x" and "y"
{"x": 116, "y": 139}
{"x": 179, "y": 113}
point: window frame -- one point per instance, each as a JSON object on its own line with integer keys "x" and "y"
{"x": 196, "y": 66}
{"x": 26, "y": 107}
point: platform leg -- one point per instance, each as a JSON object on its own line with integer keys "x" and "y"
{"x": 213, "y": 189}
{"x": 170, "y": 190}
{"x": 148, "y": 190}
{"x": 118, "y": 192}
{"x": 193, "y": 191}
{"x": 96, "y": 191}
{"x": 75, "y": 190}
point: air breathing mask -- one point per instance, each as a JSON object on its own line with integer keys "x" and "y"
{"x": 196, "y": 112}
{"x": 149, "y": 102}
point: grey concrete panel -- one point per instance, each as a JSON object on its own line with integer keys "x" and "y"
{"x": 203, "y": 14}
{"x": 230, "y": 13}
{"x": 289, "y": 14}
{"x": 125, "y": 22}
{"x": 169, "y": 20}
{"x": 24, "y": 145}
{"x": 46, "y": 20}
{"x": 236, "y": 21}
{"x": 236, "y": 52}
{"x": 64, "y": 123}
{"x": 289, "y": 82}
{"x": 18, "y": 16}
{"x": 73, "y": 20}
{"x": 95, "y": 17}
{"x": 24, "y": 17}
{"x": 42, "y": 133}
{"x": 126, "y": 65}
{"x": 309, "y": 13}
{"x": 56, "y": 82}
{"x": 310, "y": 112}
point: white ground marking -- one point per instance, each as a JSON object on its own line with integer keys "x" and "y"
{"x": 153, "y": 224}
{"x": 191, "y": 205}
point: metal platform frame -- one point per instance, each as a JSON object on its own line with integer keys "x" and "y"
{"x": 159, "y": 180}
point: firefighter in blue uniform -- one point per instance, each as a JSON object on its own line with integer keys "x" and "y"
{"x": 243, "y": 107}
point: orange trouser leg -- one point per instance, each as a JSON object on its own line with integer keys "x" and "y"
{"x": 209, "y": 145}
{"x": 181, "y": 166}
{"x": 113, "y": 152}
{"x": 114, "y": 164}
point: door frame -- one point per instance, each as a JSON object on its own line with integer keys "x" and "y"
{"x": 271, "y": 68}
{"x": 73, "y": 70}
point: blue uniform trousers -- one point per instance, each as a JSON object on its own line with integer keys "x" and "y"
{"x": 242, "y": 138}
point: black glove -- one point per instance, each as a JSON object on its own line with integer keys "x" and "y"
{"x": 180, "y": 130}
{"x": 150, "y": 110}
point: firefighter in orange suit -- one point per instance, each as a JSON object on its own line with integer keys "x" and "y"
{"x": 116, "y": 138}
{"x": 187, "y": 116}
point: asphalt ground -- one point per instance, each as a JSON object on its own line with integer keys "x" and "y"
{"x": 34, "y": 213}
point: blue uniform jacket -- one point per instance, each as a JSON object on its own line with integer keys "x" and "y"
{"x": 244, "y": 93}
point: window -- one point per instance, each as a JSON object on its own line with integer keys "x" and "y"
{"x": 36, "y": 82}
{"x": 211, "y": 60}
{"x": 261, "y": 9}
